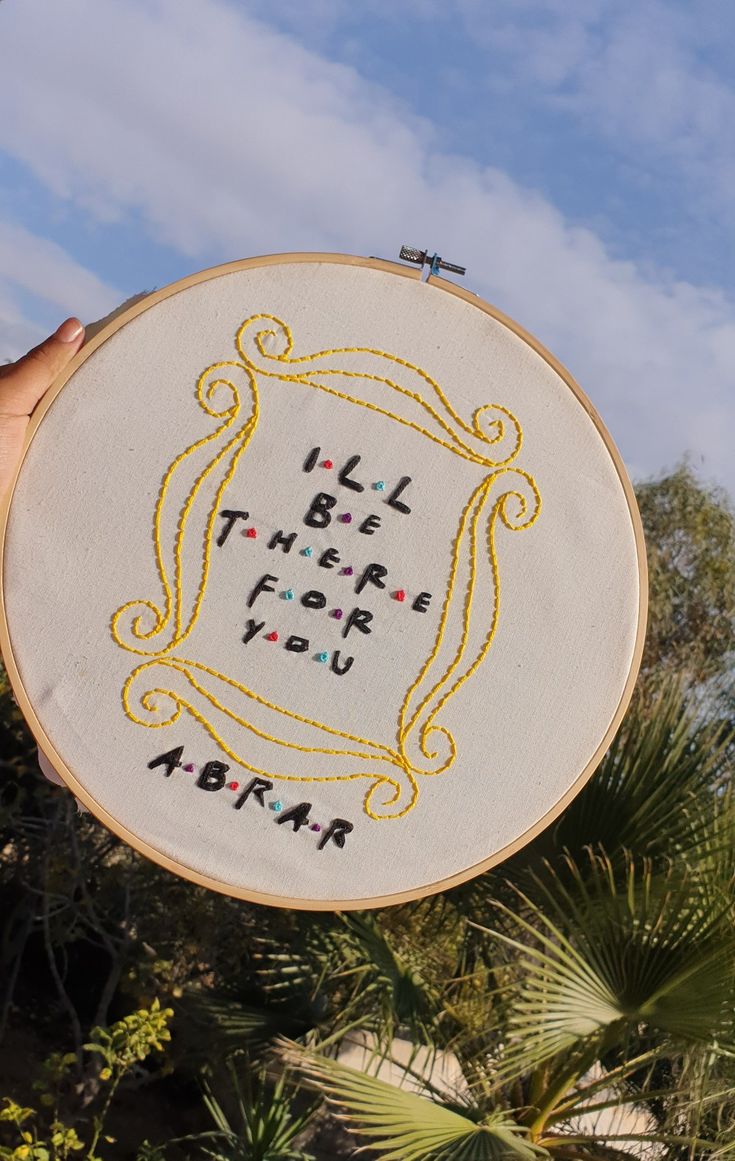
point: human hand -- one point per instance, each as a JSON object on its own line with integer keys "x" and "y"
{"x": 22, "y": 385}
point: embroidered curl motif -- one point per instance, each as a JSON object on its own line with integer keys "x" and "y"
{"x": 165, "y": 684}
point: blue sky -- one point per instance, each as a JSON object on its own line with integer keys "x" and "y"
{"x": 577, "y": 155}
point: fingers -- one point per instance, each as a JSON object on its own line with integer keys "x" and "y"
{"x": 21, "y": 386}
{"x": 23, "y": 383}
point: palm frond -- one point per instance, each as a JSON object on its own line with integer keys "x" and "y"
{"x": 602, "y": 961}
{"x": 212, "y": 1027}
{"x": 267, "y": 1123}
{"x": 403, "y": 1126}
{"x": 653, "y": 790}
{"x": 352, "y": 974}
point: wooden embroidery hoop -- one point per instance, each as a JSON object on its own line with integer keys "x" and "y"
{"x": 140, "y": 844}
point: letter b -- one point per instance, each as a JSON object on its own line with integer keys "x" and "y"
{"x": 318, "y": 514}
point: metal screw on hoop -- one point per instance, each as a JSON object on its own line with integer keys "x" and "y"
{"x": 433, "y": 261}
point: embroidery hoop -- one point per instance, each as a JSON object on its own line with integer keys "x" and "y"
{"x": 244, "y": 892}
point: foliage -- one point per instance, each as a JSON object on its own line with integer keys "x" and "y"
{"x": 615, "y": 991}
{"x": 41, "y": 1134}
{"x": 690, "y": 537}
{"x": 577, "y": 1002}
{"x": 406, "y": 1127}
{"x": 363, "y": 972}
{"x": 265, "y": 1123}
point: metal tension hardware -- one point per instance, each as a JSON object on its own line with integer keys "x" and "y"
{"x": 433, "y": 261}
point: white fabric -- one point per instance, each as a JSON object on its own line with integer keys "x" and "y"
{"x": 79, "y": 546}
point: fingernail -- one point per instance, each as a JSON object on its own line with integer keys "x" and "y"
{"x": 69, "y": 330}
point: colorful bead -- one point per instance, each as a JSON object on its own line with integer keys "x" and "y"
{"x": 233, "y": 785}
{"x": 322, "y": 657}
{"x": 251, "y": 533}
{"x": 327, "y": 464}
{"x": 337, "y": 614}
{"x": 347, "y": 571}
{"x": 190, "y": 767}
{"x": 346, "y": 518}
{"x": 277, "y": 806}
{"x": 307, "y": 551}
{"x": 288, "y": 595}
{"x": 271, "y": 636}
{"x": 379, "y": 485}
{"x": 400, "y": 595}
{"x": 315, "y": 827}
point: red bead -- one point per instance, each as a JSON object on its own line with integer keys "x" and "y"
{"x": 400, "y": 595}
{"x": 233, "y": 785}
{"x": 327, "y": 464}
{"x": 251, "y": 533}
{"x": 271, "y": 636}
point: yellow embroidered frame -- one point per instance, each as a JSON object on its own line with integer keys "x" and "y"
{"x": 265, "y": 347}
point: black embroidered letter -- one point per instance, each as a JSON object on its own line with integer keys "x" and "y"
{"x": 336, "y": 831}
{"x": 251, "y": 629}
{"x": 373, "y": 573}
{"x": 230, "y": 516}
{"x": 212, "y": 776}
{"x": 393, "y": 498}
{"x": 369, "y": 524}
{"x": 256, "y": 787}
{"x": 171, "y": 759}
{"x": 262, "y": 587}
{"x": 310, "y": 461}
{"x": 335, "y": 663}
{"x": 318, "y": 515}
{"x": 344, "y": 475}
{"x": 278, "y": 538}
{"x": 421, "y": 604}
{"x": 313, "y": 599}
{"x": 298, "y": 815}
{"x": 360, "y": 618}
{"x": 297, "y": 644}
{"x": 329, "y": 558}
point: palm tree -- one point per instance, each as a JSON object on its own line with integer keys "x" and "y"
{"x": 594, "y": 973}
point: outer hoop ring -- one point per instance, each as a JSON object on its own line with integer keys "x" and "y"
{"x": 215, "y": 884}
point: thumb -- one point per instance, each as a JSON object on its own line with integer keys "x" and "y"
{"x": 23, "y": 383}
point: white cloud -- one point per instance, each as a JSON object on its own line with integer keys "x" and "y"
{"x": 224, "y": 138}
{"x": 37, "y": 267}
{"x": 633, "y": 72}
{"x": 45, "y": 269}
{"x": 17, "y": 333}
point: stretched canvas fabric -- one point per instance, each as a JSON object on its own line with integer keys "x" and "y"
{"x": 465, "y": 715}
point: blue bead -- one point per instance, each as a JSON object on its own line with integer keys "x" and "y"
{"x": 277, "y": 806}
{"x": 379, "y": 486}
{"x": 322, "y": 657}
{"x": 288, "y": 595}
{"x": 306, "y": 551}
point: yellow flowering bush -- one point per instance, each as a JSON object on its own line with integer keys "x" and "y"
{"x": 40, "y": 1134}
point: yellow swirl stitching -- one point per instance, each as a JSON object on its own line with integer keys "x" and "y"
{"x": 402, "y": 728}
{"x": 181, "y": 666}
{"x": 475, "y": 430}
{"x": 499, "y": 509}
{"x": 182, "y": 703}
{"x": 243, "y": 438}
